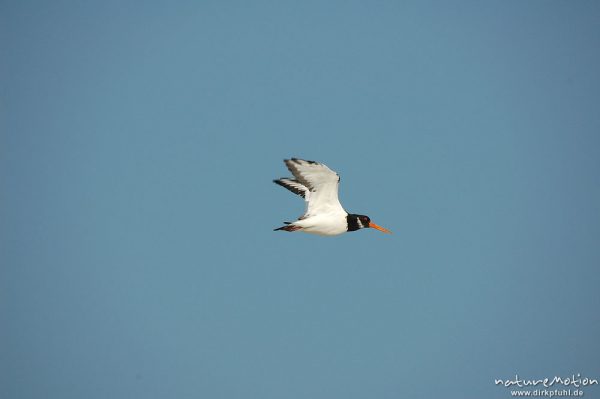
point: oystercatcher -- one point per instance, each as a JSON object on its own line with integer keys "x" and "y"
{"x": 324, "y": 215}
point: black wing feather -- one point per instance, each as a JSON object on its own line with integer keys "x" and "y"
{"x": 293, "y": 185}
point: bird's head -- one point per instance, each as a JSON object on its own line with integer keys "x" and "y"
{"x": 357, "y": 222}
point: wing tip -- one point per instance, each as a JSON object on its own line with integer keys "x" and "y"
{"x": 288, "y": 183}
{"x": 281, "y": 181}
{"x": 299, "y": 161}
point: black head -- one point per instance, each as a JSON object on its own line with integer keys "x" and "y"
{"x": 357, "y": 222}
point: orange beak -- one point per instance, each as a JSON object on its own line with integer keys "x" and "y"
{"x": 374, "y": 226}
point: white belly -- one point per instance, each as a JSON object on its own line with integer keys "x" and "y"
{"x": 324, "y": 225}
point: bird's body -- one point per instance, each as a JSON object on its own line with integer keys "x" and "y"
{"x": 329, "y": 224}
{"x": 324, "y": 215}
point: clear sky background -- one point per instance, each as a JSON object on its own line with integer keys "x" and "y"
{"x": 138, "y": 143}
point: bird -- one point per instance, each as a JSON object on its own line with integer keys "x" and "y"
{"x": 324, "y": 214}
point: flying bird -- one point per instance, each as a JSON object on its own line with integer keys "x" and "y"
{"x": 324, "y": 214}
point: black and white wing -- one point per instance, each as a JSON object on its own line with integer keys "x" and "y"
{"x": 316, "y": 183}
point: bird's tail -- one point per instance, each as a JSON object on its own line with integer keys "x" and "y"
{"x": 289, "y": 227}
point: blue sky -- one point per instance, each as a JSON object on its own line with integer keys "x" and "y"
{"x": 138, "y": 142}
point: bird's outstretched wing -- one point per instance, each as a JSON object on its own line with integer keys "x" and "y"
{"x": 316, "y": 183}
